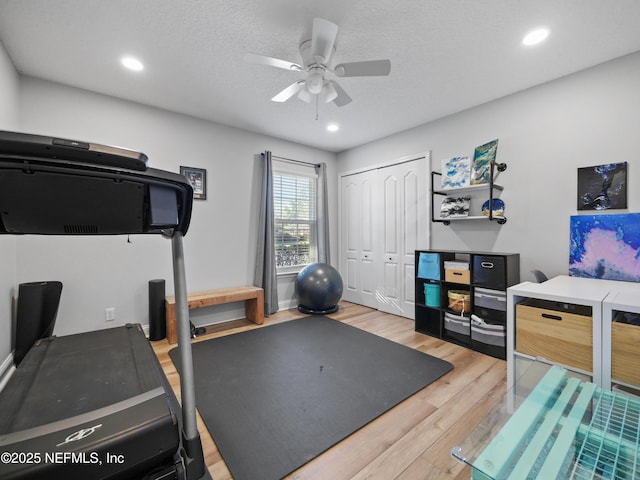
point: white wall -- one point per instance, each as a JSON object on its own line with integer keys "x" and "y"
{"x": 545, "y": 133}
{"x": 8, "y": 121}
{"x": 220, "y": 245}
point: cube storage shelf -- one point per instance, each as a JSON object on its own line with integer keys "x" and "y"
{"x": 478, "y": 323}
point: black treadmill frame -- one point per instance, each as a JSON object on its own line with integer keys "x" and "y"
{"x": 27, "y": 158}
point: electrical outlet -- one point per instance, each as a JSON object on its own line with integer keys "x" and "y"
{"x": 110, "y": 314}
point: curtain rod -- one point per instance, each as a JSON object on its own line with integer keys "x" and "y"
{"x": 295, "y": 161}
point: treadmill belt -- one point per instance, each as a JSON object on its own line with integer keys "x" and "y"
{"x": 62, "y": 377}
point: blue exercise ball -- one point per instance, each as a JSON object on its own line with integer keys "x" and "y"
{"x": 318, "y": 289}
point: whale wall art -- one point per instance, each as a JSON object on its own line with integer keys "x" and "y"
{"x": 605, "y": 246}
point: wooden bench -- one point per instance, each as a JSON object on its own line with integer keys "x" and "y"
{"x": 253, "y": 297}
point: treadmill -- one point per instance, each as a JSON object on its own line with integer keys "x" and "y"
{"x": 96, "y": 405}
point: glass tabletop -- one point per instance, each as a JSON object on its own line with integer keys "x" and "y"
{"x": 553, "y": 425}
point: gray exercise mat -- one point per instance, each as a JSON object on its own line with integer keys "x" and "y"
{"x": 274, "y": 398}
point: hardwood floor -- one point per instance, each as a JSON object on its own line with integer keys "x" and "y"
{"x": 411, "y": 441}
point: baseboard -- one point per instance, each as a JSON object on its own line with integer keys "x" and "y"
{"x": 287, "y": 304}
{"x": 6, "y": 370}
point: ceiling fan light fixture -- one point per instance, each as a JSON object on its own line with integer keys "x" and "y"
{"x": 315, "y": 81}
{"x": 316, "y": 53}
{"x": 329, "y": 93}
{"x": 304, "y": 95}
{"x": 333, "y": 127}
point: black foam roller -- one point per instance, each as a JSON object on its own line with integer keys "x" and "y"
{"x": 157, "y": 311}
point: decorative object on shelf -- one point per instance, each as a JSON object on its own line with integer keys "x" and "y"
{"x": 198, "y": 179}
{"x": 455, "y": 207}
{"x": 602, "y": 187}
{"x": 483, "y": 157}
{"x": 456, "y": 172}
{"x": 497, "y": 210}
{"x": 459, "y": 301}
{"x": 449, "y": 185}
{"x": 605, "y": 246}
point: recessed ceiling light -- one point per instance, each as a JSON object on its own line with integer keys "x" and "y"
{"x": 535, "y": 36}
{"x": 132, "y": 64}
{"x": 333, "y": 127}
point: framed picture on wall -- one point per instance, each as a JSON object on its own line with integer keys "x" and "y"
{"x": 602, "y": 187}
{"x": 197, "y": 177}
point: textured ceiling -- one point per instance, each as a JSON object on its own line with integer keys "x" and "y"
{"x": 446, "y": 55}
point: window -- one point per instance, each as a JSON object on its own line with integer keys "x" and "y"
{"x": 294, "y": 204}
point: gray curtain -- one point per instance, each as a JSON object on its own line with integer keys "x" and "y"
{"x": 323, "y": 215}
{"x": 265, "y": 274}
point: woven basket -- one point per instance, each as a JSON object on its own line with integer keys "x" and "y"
{"x": 460, "y": 301}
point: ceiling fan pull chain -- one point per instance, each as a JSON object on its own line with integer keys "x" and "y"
{"x": 317, "y": 107}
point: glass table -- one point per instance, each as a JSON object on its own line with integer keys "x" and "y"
{"x": 553, "y": 425}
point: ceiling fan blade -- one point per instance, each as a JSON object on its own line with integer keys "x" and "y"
{"x": 371, "y": 68}
{"x": 342, "y": 99}
{"x": 271, "y": 62}
{"x": 323, "y": 38}
{"x": 288, "y": 92}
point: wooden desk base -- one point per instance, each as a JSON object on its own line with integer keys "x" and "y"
{"x": 252, "y": 296}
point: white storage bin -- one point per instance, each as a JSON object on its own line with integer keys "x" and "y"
{"x": 494, "y": 299}
{"x": 456, "y": 265}
{"x": 457, "y": 324}
{"x": 487, "y": 333}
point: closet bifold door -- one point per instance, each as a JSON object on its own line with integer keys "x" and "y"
{"x": 403, "y": 214}
{"x": 383, "y": 222}
{"x": 358, "y": 230}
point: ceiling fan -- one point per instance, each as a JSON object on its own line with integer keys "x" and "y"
{"x": 316, "y": 56}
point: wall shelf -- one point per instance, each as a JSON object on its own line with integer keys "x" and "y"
{"x": 473, "y": 190}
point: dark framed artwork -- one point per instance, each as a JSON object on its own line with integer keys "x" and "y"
{"x": 197, "y": 177}
{"x": 602, "y": 187}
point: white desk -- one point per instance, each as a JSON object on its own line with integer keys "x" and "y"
{"x": 621, "y": 301}
{"x": 576, "y": 291}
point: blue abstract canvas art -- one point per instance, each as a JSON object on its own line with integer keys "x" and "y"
{"x": 605, "y": 246}
{"x": 456, "y": 172}
{"x": 483, "y": 156}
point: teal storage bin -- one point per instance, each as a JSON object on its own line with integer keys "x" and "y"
{"x": 432, "y": 295}
{"x": 429, "y": 266}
